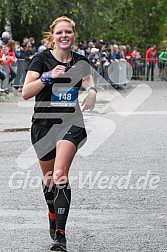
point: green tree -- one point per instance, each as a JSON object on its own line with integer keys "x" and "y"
{"x": 133, "y": 22}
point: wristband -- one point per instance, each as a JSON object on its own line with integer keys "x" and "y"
{"x": 46, "y": 78}
{"x": 93, "y": 88}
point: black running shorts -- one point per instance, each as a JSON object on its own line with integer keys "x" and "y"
{"x": 44, "y": 139}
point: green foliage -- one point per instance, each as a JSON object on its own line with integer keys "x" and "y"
{"x": 133, "y": 22}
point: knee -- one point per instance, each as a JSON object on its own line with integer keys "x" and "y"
{"x": 48, "y": 179}
{"x": 60, "y": 176}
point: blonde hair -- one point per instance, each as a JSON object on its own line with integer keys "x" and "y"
{"x": 48, "y": 36}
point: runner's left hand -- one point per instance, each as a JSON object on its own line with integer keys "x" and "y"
{"x": 89, "y": 101}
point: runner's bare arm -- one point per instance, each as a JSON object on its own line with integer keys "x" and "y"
{"x": 90, "y": 100}
{"x": 32, "y": 85}
{"x": 88, "y": 82}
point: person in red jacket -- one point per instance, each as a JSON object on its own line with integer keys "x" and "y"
{"x": 7, "y": 56}
{"x": 151, "y": 60}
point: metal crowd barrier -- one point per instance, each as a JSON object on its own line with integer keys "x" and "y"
{"x": 19, "y": 68}
{"x": 19, "y": 80}
{"x": 5, "y": 83}
{"x": 118, "y": 72}
{"x": 114, "y": 73}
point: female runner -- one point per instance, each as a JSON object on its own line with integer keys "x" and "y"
{"x": 54, "y": 76}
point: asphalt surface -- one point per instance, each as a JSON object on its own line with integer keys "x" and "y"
{"x": 118, "y": 180}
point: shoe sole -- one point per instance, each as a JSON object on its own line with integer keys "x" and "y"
{"x": 60, "y": 249}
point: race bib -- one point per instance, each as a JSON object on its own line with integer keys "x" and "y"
{"x": 64, "y": 96}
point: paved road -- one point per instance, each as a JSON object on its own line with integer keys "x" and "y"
{"x": 118, "y": 183}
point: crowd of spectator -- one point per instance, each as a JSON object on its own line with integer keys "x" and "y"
{"x": 11, "y": 51}
{"x": 100, "y": 54}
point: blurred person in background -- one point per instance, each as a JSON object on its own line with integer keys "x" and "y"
{"x": 5, "y": 37}
{"x": 127, "y": 53}
{"x": 135, "y": 62}
{"x": 94, "y": 59}
{"x": 77, "y": 49}
{"x": 7, "y": 56}
{"x": 163, "y": 64}
{"x": 87, "y": 51}
{"x": 2, "y": 72}
{"x": 11, "y": 53}
{"x": 32, "y": 43}
{"x": 17, "y": 49}
{"x": 151, "y": 60}
{"x": 26, "y": 53}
